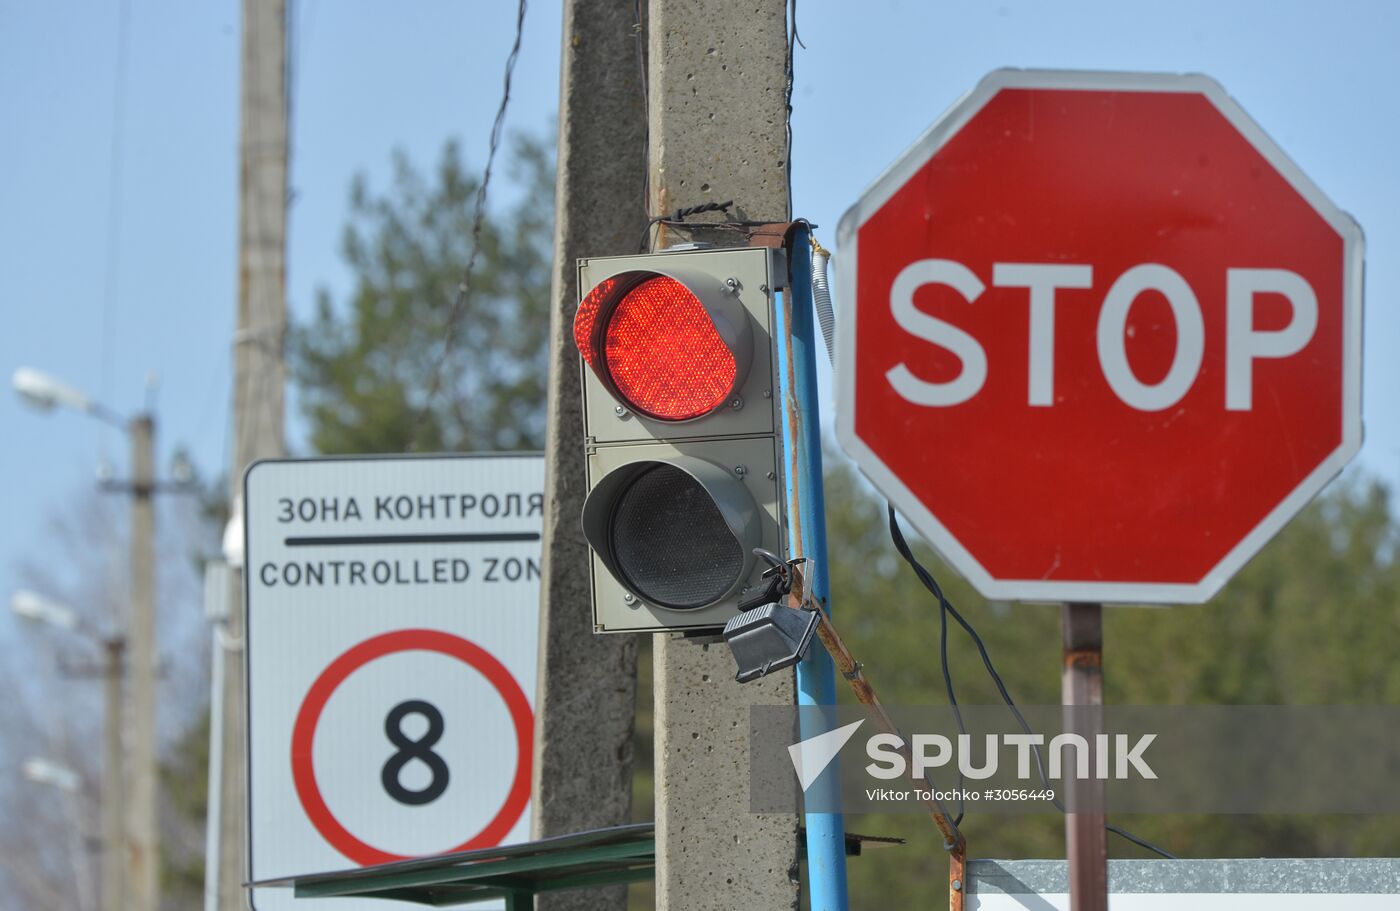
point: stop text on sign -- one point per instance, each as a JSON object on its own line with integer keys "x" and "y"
{"x": 1245, "y": 341}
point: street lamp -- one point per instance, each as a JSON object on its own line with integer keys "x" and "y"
{"x": 35, "y": 608}
{"x": 46, "y": 771}
{"x": 45, "y": 393}
{"x": 142, "y": 858}
{"x": 57, "y": 775}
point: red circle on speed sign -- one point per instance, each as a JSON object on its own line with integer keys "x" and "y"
{"x": 309, "y": 715}
{"x": 1105, "y": 337}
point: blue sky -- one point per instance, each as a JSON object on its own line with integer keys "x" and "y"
{"x": 1323, "y": 79}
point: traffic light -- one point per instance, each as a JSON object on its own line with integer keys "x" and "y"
{"x": 680, "y": 405}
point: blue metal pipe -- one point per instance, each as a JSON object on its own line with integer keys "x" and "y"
{"x": 806, "y": 533}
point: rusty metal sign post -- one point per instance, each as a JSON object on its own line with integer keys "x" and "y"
{"x": 1081, "y": 685}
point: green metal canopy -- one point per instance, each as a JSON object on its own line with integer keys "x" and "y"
{"x": 517, "y": 873}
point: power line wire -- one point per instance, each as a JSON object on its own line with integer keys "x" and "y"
{"x": 464, "y": 289}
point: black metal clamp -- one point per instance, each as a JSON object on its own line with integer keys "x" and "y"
{"x": 767, "y": 635}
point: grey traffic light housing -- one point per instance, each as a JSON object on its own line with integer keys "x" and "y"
{"x": 675, "y": 507}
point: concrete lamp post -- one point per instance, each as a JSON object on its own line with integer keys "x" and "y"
{"x": 35, "y": 608}
{"x": 142, "y": 883}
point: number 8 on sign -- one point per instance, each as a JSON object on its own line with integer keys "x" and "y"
{"x": 409, "y": 750}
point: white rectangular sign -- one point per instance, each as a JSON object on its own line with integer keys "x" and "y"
{"x": 1244, "y": 884}
{"x": 393, "y": 624}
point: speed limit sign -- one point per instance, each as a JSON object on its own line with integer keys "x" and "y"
{"x": 392, "y": 632}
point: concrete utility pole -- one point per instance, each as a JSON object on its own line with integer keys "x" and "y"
{"x": 717, "y": 122}
{"x": 143, "y": 837}
{"x": 113, "y": 787}
{"x": 587, "y": 683}
{"x": 259, "y": 374}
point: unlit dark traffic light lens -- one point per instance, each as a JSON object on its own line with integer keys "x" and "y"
{"x": 671, "y": 543}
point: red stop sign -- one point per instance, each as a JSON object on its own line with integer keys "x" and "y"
{"x": 1102, "y": 339}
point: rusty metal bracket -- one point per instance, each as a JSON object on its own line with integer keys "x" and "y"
{"x": 957, "y": 877}
{"x": 854, "y": 673}
{"x": 1083, "y": 659}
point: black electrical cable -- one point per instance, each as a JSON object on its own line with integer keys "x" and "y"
{"x": 680, "y": 215}
{"x": 794, "y": 41}
{"x": 1140, "y": 842}
{"x": 952, "y": 700}
{"x": 638, "y": 39}
{"x": 946, "y": 608}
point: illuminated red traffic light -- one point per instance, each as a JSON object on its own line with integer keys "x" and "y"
{"x": 659, "y": 348}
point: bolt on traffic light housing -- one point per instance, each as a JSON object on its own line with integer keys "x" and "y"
{"x": 681, "y": 433}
